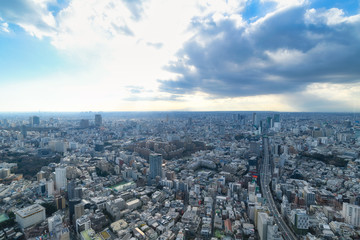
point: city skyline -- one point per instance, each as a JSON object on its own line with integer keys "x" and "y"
{"x": 266, "y": 55}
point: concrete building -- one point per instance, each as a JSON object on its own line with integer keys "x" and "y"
{"x": 133, "y": 204}
{"x": 82, "y": 224}
{"x": 262, "y": 225}
{"x": 84, "y": 123}
{"x": 54, "y": 223}
{"x": 155, "y": 165}
{"x": 31, "y": 215}
{"x": 299, "y": 220}
{"x": 79, "y": 211}
{"x": 50, "y": 188}
{"x": 98, "y": 120}
{"x": 60, "y": 178}
{"x": 309, "y": 197}
{"x": 351, "y": 213}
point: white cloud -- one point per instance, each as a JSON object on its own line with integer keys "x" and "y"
{"x": 119, "y": 47}
{"x": 4, "y": 26}
{"x": 287, "y": 3}
{"x": 286, "y": 56}
{"x": 330, "y": 17}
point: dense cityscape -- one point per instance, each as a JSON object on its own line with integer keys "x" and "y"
{"x": 180, "y": 175}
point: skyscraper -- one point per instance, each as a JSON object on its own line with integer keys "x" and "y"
{"x": 60, "y": 178}
{"x": 254, "y": 119}
{"x": 155, "y": 165}
{"x": 23, "y": 131}
{"x": 98, "y": 120}
{"x": 34, "y": 121}
{"x": 277, "y": 117}
{"x": 84, "y": 123}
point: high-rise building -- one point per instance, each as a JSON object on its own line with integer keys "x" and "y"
{"x": 351, "y": 214}
{"x": 60, "y": 202}
{"x": 84, "y": 123}
{"x": 23, "y": 131}
{"x": 35, "y": 121}
{"x": 71, "y": 189}
{"x": 79, "y": 211}
{"x": 50, "y": 188}
{"x": 254, "y": 119}
{"x": 277, "y": 117}
{"x": 60, "y": 178}
{"x": 269, "y": 122}
{"x": 155, "y": 165}
{"x": 98, "y": 120}
{"x": 72, "y": 204}
{"x": 262, "y": 225}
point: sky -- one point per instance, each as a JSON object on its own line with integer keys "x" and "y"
{"x": 180, "y": 55}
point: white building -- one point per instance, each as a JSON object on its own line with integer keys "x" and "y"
{"x": 83, "y": 224}
{"x": 133, "y": 204}
{"x": 351, "y": 214}
{"x": 55, "y": 223}
{"x": 262, "y": 225}
{"x": 50, "y": 188}
{"x": 60, "y": 178}
{"x": 31, "y": 215}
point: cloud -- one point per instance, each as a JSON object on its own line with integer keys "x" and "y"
{"x": 32, "y": 16}
{"x": 326, "y": 97}
{"x": 4, "y": 26}
{"x": 157, "y": 45}
{"x": 284, "y": 51}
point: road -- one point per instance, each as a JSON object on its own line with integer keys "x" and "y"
{"x": 265, "y": 178}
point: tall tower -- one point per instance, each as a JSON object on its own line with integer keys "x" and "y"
{"x": 98, "y": 120}
{"x": 254, "y": 119}
{"x": 60, "y": 178}
{"x": 155, "y": 165}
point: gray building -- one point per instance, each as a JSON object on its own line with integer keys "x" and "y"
{"x": 155, "y": 165}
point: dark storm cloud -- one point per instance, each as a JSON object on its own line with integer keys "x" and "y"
{"x": 281, "y": 53}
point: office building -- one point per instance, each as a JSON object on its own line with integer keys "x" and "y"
{"x": 31, "y": 215}
{"x": 50, "y": 188}
{"x": 60, "y": 178}
{"x": 71, "y": 189}
{"x": 276, "y": 118}
{"x": 79, "y": 211}
{"x": 98, "y": 120}
{"x": 55, "y": 223}
{"x": 23, "y": 131}
{"x": 155, "y": 165}
{"x": 299, "y": 220}
{"x": 83, "y": 224}
{"x": 60, "y": 202}
{"x": 84, "y": 123}
{"x": 254, "y": 119}
{"x": 262, "y": 225}
{"x": 72, "y": 204}
{"x": 34, "y": 121}
{"x": 309, "y": 196}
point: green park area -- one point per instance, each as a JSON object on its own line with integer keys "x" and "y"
{"x": 3, "y": 218}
